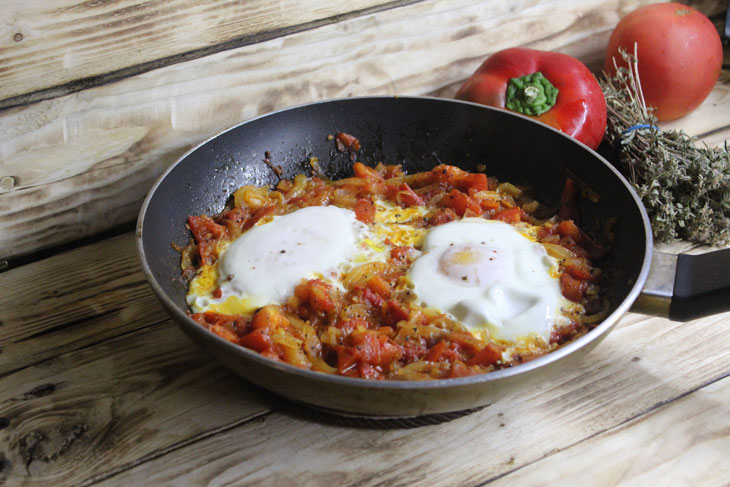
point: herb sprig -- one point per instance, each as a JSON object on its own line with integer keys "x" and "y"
{"x": 684, "y": 185}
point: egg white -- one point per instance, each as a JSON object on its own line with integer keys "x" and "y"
{"x": 492, "y": 278}
{"x": 265, "y": 264}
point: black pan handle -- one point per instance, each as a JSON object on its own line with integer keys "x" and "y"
{"x": 684, "y": 287}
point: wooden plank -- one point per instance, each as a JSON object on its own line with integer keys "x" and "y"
{"x": 72, "y": 300}
{"x": 153, "y": 409}
{"x": 113, "y": 404}
{"x": 81, "y": 163}
{"x": 642, "y": 365}
{"x": 47, "y": 44}
{"x": 683, "y": 443}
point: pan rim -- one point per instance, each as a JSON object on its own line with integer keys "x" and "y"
{"x": 433, "y": 384}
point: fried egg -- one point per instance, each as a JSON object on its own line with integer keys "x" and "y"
{"x": 265, "y": 264}
{"x": 490, "y": 277}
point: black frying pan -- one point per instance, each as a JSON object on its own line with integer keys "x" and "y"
{"x": 417, "y": 133}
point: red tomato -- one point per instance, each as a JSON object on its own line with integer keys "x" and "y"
{"x": 679, "y": 53}
{"x": 206, "y": 233}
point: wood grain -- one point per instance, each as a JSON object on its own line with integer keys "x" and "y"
{"x": 48, "y": 44}
{"x": 115, "y": 404}
{"x": 81, "y": 163}
{"x": 72, "y": 300}
{"x": 682, "y": 443}
{"x": 141, "y": 405}
{"x": 627, "y": 377}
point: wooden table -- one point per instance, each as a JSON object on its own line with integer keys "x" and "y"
{"x": 98, "y": 387}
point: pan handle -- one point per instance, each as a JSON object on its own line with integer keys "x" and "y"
{"x": 684, "y": 287}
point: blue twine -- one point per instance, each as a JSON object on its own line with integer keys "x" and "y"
{"x": 639, "y": 126}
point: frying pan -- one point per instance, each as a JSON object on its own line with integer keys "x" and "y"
{"x": 419, "y": 133}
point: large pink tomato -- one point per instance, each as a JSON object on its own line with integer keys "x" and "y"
{"x": 679, "y": 53}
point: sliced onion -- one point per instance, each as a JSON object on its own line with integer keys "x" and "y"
{"x": 558, "y": 251}
{"x": 596, "y": 317}
{"x": 510, "y": 189}
{"x": 531, "y": 207}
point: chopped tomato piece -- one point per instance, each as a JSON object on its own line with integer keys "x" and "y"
{"x": 546, "y": 231}
{"x": 374, "y": 298}
{"x": 441, "y": 216}
{"x": 258, "y": 215}
{"x": 225, "y": 333}
{"x": 234, "y": 220}
{"x": 317, "y": 294}
{"x": 459, "y": 369}
{"x": 374, "y": 348}
{"x": 436, "y": 352}
{"x": 364, "y": 210}
{"x": 572, "y": 288}
{"x": 488, "y": 355}
{"x": 366, "y": 347}
{"x": 489, "y": 204}
{"x": 567, "y": 228}
{"x": 206, "y": 233}
{"x": 400, "y": 253}
{"x": 225, "y": 326}
{"x": 379, "y": 286}
{"x": 414, "y": 349}
{"x": 444, "y": 351}
{"x": 475, "y": 181}
{"x": 406, "y": 197}
{"x": 466, "y": 341}
{"x": 269, "y": 317}
{"x": 260, "y": 341}
{"x": 346, "y": 142}
{"x": 510, "y": 215}
{"x": 365, "y": 172}
{"x": 460, "y": 203}
{"x": 447, "y": 175}
{"x": 393, "y": 312}
{"x": 320, "y": 296}
{"x": 578, "y": 268}
{"x": 454, "y": 177}
{"x": 571, "y": 245}
{"x": 350, "y": 325}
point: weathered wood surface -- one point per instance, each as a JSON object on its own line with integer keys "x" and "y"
{"x": 677, "y": 444}
{"x": 72, "y": 301}
{"x": 140, "y": 405}
{"x": 79, "y": 164}
{"x": 47, "y": 45}
{"x": 98, "y": 387}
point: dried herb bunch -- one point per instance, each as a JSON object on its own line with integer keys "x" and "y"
{"x": 684, "y": 185}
